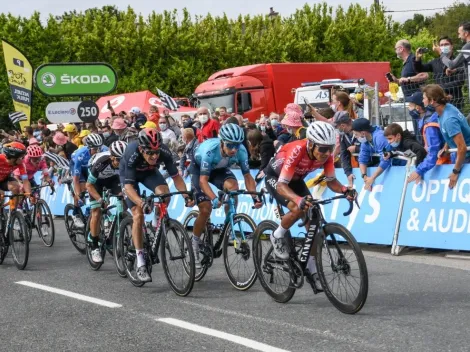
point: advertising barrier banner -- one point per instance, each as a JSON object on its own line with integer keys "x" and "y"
{"x": 435, "y": 216}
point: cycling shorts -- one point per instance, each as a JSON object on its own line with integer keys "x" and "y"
{"x": 150, "y": 179}
{"x": 217, "y": 178}
{"x": 111, "y": 183}
{"x": 297, "y": 186}
{"x": 4, "y": 183}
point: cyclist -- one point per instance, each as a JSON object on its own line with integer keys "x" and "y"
{"x": 33, "y": 163}
{"x": 285, "y": 181}
{"x": 211, "y": 164}
{"x": 104, "y": 172}
{"x": 79, "y": 170}
{"x": 140, "y": 164}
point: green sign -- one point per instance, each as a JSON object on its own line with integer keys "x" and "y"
{"x": 75, "y": 79}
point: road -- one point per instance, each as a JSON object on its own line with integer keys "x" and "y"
{"x": 415, "y": 303}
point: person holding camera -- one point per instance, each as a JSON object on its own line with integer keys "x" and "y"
{"x": 451, "y": 81}
{"x": 464, "y": 56}
{"x": 410, "y": 79}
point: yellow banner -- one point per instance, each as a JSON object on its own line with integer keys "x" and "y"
{"x": 20, "y": 78}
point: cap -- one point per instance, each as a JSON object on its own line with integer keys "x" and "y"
{"x": 70, "y": 128}
{"x": 292, "y": 119}
{"x": 341, "y": 117}
{"x": 149, "y": 124}
{"x": 135, "y": 110}
{"x": 59, "y": 138}
{"x": 361, "y": 125}
{"x": 84, "y": 133}
{"x": 119, "y": 124}
{"x": 416, "y": 98}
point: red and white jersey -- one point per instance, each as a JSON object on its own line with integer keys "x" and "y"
{"x": 6, "y": 169}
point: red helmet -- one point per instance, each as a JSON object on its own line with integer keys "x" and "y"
{"x": 150, "y": 138}
{"x": 34, "y": 151}
{"x": 14, "y": 150}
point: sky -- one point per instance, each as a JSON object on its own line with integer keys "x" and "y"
{"x": 215, "y": 7}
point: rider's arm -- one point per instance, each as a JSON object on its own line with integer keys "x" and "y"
{"x": 330, "y": 176}
{"x": 250, "y": 183}
{"x": 129, "y": 179}
{"x": 27, "y": 186}
{"x": 180, "y": 185}
{"x": 242, "y": 157}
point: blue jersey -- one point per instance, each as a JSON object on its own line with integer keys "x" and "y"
{"x": 80, "y": 159}
{"x": 453, "y": 122}
{"x": 209, "y": 157}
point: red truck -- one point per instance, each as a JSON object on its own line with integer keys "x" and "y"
{"x": 260, "y": 89}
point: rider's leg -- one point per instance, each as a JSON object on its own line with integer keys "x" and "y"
{"x": 14, "y": 187}
{"x": 231, "y": 184}
{"x": 137, "y": 238}
{"x": 95, "y": 224}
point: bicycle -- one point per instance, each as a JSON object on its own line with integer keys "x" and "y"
{"x": 11, "y": 237}
{"x": 39, "y": 216}
{"x": 325, "y": 238}
{"x": 170, "y": 236}
{"x": 232, "y": 234}
{"x": 109, "y": 231}
{"x": 77, "y": 235}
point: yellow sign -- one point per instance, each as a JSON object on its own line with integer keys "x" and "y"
{"x": 20, "y": 78}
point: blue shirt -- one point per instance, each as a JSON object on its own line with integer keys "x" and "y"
{"x": 80, "y": 159}
{"x": 408, "y": 70}
{"x": 209, "y": 157}
{"x": 434, "y": 142}
{"x": 377, "y": 146}
{"x": 452, "y": 123}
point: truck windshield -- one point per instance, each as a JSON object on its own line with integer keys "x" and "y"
{"x": 214, "y": 102}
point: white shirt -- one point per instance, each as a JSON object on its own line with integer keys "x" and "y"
{"x": 168, "y": 136}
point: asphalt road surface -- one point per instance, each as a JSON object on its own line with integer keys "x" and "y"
{"x": 416, "y": 303}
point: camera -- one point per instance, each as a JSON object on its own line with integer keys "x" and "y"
{"x": 423, "y": 50}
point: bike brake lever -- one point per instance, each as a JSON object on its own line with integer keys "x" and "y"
{"x": 351, "y": 207}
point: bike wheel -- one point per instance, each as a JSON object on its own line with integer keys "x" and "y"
{"x": 93, "y": 265}
{"x": 238, "y": 261}
{"x": 4, "y": 246}
{"x": 204, "y": 257}
{"x": 126, "y": 247}
{"x": 45, "y": 223}
{"x": 117, "y": 251}
{"x": 273, "y": 274}
{"x": 177, "y": 255}
{"x": 341, "y": 267}
{"x": 76, "y": 235}
{"x": 19, "y": 243}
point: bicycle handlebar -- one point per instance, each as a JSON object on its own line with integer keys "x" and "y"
{"x": 237, "y": 192}
{"x": 166, "y": 195}
{"x": 327, "y": 201}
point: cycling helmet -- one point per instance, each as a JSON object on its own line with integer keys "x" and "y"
{"x": 231, "y": 133}
{"x": 321, "y": 132}
{"x": 14, "y": 150}
{"x": 150, "y": 138}
{"x": 34, "y": 151}
{"x": 94, "y": 140}
{"x": 117, "y": 148}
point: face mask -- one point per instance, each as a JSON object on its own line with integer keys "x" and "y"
{"x": 274, "y": 123}
{"x": 203, "y": 118}
{"x": 395, "y": 144}
{"x": 445, "y": 49}
{"x": 430, "y": 108}
{"x": 162, "y": 126}
{"x": 290, "y": 130}
{"x": 106, "y": 134}
{"x": 362, "y": 139}
{"x": 333, "y": 107}
{"x": 341, "y": 133}
{"x": 262, "y": 128}
{"x": 415, "y": 114}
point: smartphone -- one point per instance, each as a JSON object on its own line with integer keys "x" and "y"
{"x": 423, "y": 50}
{"x": 389, "y": 77}
{"x": 109, "y": 104}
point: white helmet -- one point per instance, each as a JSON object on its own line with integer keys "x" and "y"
{"x": 321, "y": 132}
{"x": 94, "y": 140}
{"x": 117, "y": 148}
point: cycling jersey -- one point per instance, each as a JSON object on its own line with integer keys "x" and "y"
{"x": 6, "y": 169}
{"x": 209, "y": 157}
{"x": 80, "y": 159}
{"x": 31, "y": 168}
{"x": 133, "y": 162}
{"x": 101, "y": 168}
{"x": 293, "y": 163}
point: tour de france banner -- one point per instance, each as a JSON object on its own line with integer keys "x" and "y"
{"x": 20, "y": 78}
{"x": 435, "y": 216}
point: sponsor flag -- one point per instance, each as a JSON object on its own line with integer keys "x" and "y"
{"x": 20, "y": 79}
{"x": 168, "y": 101}
{"x": 60, "y": 161}
{"x": 16, "y": 117}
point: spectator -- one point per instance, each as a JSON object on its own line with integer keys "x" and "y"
{"x": 292, "y": 122}
{"x": 123, "y": 132}
{"x": 172, "y": 124}
{"x": 66, "y": 147}
{"x": 240, "y": 119}
{"x": 340, "y": 102}
{"x": 72, "y": 133}
{"x": 83, "y": 134}
{"x": 42, "y": 124}
{"x": 133, "y": 113}
{"x": 154, "y": 114}
{"x": 372, "y": 141}
{"x": 451, "y": 81}
{"x": 28, "y": 132}
{"x": 168, "y": 135}
{"x": 262, "y": 147}
{"x": 223, "y": 115}
{"x": 348, "y": 145}
{"x": 191, "y": 144}
{"x": 462, "y": 58}
{"x": 209, "y": 127}
{"x": 410, "y": 79}
{"x": 46, "y": 138}
{"x": 430, "y": 133}
{"x": 454, "y": 128}
{"x": 274, "y": 122}
{"x": 108, "y": 134}
{"x": 266, "y": 129}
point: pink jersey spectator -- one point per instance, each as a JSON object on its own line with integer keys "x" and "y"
{"x": 31, "y": 169}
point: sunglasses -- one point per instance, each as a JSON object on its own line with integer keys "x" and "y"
{"x": 232, "y": 146}
{"x": 150, "y": 152}
{"x": 323, "y": 149}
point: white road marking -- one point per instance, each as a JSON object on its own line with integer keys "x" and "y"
{"x": 70, "y": 294}
{"x": 221, "y": 335}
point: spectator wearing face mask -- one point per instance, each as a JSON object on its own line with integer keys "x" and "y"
{"x": 108, "y": 134}
{"x": 348, "y": 145}
{"x": 274, "y": 122}
{"x": 168, "y": 135}
{"x": 209, "y": 127}
{"x": 191, "y": 144}
{"x": 341, "y": 102}
{"x": 462, "y": 58}
{"x": 124, "y": 133}
{"x": 293, "y": 123}
{"x": 266, "y": 130}
{"x": 451, "y": 81}
{"x": 260, "y": 147}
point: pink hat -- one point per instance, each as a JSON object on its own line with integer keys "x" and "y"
{"x": 293, "y": 107}
{"x": 292, "y": 119}
{"x": 33, "y": 141}
{"x": 59, "y": 138}
{"x": 119, "y": 124}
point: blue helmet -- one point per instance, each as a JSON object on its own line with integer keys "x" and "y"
{"x": 231, "y": 133}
